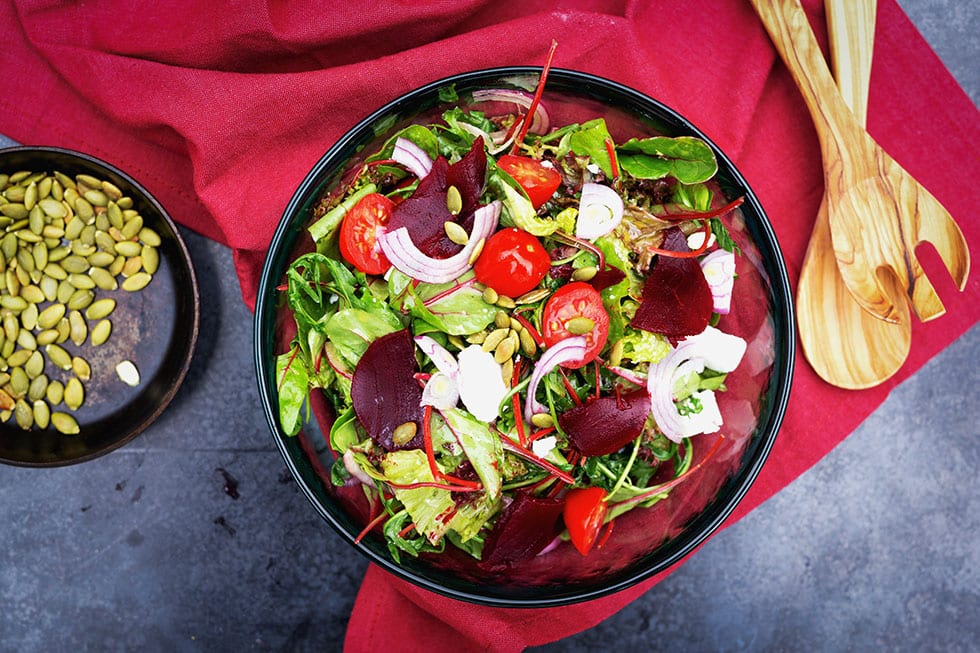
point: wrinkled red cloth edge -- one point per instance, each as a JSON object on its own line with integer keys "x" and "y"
{"x": 201, "y": 122}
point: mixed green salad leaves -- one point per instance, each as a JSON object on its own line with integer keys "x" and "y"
{"x": 516, "y": 327}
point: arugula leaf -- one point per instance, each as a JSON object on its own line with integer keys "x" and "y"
{"x": 686, "y": 158}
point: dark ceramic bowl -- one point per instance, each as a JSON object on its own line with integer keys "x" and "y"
{"x": 155, "y": 328}
{"x": 643, "y": 542}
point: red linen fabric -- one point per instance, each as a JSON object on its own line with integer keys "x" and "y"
{"x": 221, "y": 108}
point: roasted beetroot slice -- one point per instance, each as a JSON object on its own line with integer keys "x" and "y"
{"x": 385, "y": 392}
{"x": 676, "y": 298}
{"x": 606, "y": 424}
{"x": 425, "y": 213}
{"x": 524, "y": 528}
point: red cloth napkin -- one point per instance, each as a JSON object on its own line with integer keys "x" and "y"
{"x": 221, "y": 109}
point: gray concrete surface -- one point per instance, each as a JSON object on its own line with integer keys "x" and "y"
{"x": 875, "y": 549}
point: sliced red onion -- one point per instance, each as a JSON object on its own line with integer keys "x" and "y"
{"x": 412, "y": 157}
{"x": 404, "y": 255}
{"x": 628, "y": 375}
{"x": 711, "y": 348}
{"x": 539, "y": 123}
{"x": 569, "y": 349}
{"x": 441, "y": 392}
{"x": 600, "y": 210}
{"x": 719, "y": 272}
{"x": 439, "y": 356}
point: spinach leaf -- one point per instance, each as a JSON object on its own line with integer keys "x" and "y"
{"x": 685, "y": 158}
{"x": 293, "y": 380}
{"x": 590, "y": 140}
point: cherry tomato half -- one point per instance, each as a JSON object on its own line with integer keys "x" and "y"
{"x": 576, "y": 300}
{"x": 538, "y": 181}
{"x": 359, "y": 234}
{"x": 512, "y": 262}
{"x": 584, "y": 513}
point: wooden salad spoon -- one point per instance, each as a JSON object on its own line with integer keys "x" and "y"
{"x": 847, "y": 346}
{"x": 878, "y": 213}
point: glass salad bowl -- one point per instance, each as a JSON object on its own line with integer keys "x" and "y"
{"x": 644, "y": 541}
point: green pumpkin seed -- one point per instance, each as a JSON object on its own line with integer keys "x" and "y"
{"x": 580, "y": 325}
{"x": 136, "y": 282}
{"x": 52, "y": 233}
{"x": 46, "y": 337}
{"x": 151, "y": 259}
{"x": 38, "y": 388}
{"x": 81, "y": 368}
{"x": 15, "y": 211}
{"x": 65, "y": 291}
{"x": 132, "y": 228}
{"x": 103, "y": 279}
{"x": 11, "y": 326}
{"x": 19, "y": 381}
{"x": 16, "y": 304}
{"x": 55, "y": 271}
{"x": 83, "y": 209}
{"x": 100, "y": 332}
{"x": 30, "y": 196}
{"x": 34, "y": 366}
{"x": 542, "y": 420}
{"x": 59, "y": 356}
{"x": 49, "y": 286}
{"x": 125, "y": 203}
{"x": 64, "y": 423}
{"x": 81, "y": 281}
{"x": 55, "y": 392}
{"x": 100, "y": 308}
{"x": 490, "y": 295}
{"x": 505, "y": 351}
{"x": 44, "y": 187}
{"x": 616, "y": 353}
{"x": 96, "y": 197}
{"x": 402, "y": 434}
{"x": 35, "y": 220}
{"x": 75, "y": 264}
{"x": 101, "y": 259}
{"x": 26, "y": 339}
{"x": 24, "y": 415}
{"x": 79, "y": 328}
{"x": 28, "y": 317}
{"x": 104, "y": 241}
{"x": 111, "y": 190}
{"x": 456, "y": 233}
{"x": 532, "y": 296}
{"x": 88, "y": 180}
{"x": 73, "y": 228}
{"x": 32, "y": 294}
{"x": 495, "y": 338}
{"x": 115, "y": 268}
{"x": 80, "y": 299}
{"x": 74, "y": 393}
{"x": 528, "y": 346}
{"x": 7, "y": 403}
{"x": 502, "y": 320}
{"x": 128, "y": 248}
{"x": 149, "y": 237}
{"x": 64, "y": 330}
{"x": 42, "y": 414}
{"x": 40, "y": 255}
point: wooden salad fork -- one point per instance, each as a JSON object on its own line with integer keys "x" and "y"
{"x": 878, "y": 213}
{"x": 847, "y": 346}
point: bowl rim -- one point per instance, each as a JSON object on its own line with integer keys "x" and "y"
{"x": 193, "y": 296}
{"x": 778, "y": 389}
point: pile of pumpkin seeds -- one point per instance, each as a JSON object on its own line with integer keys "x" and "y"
{"x": 62, "y": 241}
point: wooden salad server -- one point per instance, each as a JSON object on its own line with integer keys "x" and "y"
{"x": 847, "y": 346}
{"x": 878, "y": 213}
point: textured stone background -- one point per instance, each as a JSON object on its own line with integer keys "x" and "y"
{"x": 873, "y": 549}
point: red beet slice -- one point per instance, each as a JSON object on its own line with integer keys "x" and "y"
{"x": 676, "y": 298}
{"x": 606, "y": 424}
{"x": 385, "y": 392}
{"x": 425, "y": 213}
{"x": 524, "y": 528}
{"x": 606, "y": 278}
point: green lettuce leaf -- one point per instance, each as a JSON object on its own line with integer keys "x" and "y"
{"x": 482, "y": 448}
{"x": 686, "y": 158}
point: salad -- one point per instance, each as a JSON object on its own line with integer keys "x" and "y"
{"x": 518, "y": 325}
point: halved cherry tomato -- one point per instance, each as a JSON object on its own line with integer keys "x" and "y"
{"x": 359, "y": 234}
{"x": 512, "y": 262}
{"x": 584, "y": 513}
{"x": 576, "y": 300}
{"x": 538, "y": 181}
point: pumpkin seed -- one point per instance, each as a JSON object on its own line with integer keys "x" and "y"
{"x": 103, "y": 279}
{"x": 580, "y": 325}
{"x": 504, "y": 351}
{"x": 19, "y": 381}
{"x": 585, "y": 273}
{"x": 101, "y": 259}
{"x": 75, "y": 264}
{"x": 542, "y": 420}
{"x": 132, "y": 266}
{"x": 402, "y": 434}
{"x": 42, "y": 414}
{"x": 34, "y": 367}
{"x": 26, "y": 340}
{"x": 100, "y": 332}
{"x": 59, "y": 356}
{"x": 54, "y": 270}
{"x": 475, "y": 254}
{"x": 44, "y": 187}
{"x": 132, "y": 228}
{"x": 477, "y": 338}
{"x": 28, "y": 317}
{"x": 74, "y": 393}
{"x": 64, "y": 330}
{"x": 130, "y": 375}
{"x": 38, "y": 387}
{"x": 494, "y": 339}
{"x": 115, "y": 268}
{"x": 136, "y": 282}
{"x": 455, "y": 232}
{"x": 149, "y": 237}
{"x": 96, "y": 197}
{"x": 532, "y": 296}
{"x": 111, "y": 190}
{"x": 528, "y": 346}
{"x": 490, "y": 295}
{"x": 502, "y": 320}
{"x": 55, "y": 392}
{"x": 80, "y": 299}
{"x": 73, "y": 228}
{"x": 81, "y": 281}
{"x": 128, "y": 248}
{"x": 32, "y": 294}
{"x": 46, "y": 337}
{"x": 88, "y": 180}
{"x": 100, "y": 308}
{"x": 78, "y": 327}
{"x": 11, "y": 326}
{"x": 49, "y": 286}
{"x": 616, "y": 353}
{"x": 83, "y": 209}
{"x": 81, "y": 368}
{"x": 151, "y": 259}
{"x": 505, "y": 302}
{"x": 114, "y": 213}
{"x": 24, "y": 415}
{"x": 6, "y": 401}
{"x": 30, "y": 196}
{"x": 64, "y": 423}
